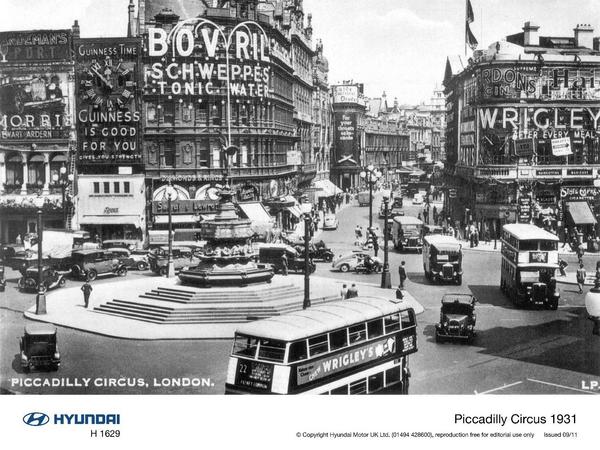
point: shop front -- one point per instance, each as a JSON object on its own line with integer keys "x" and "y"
{"x": 579, "y": 209}
{"x": 112, "y": 206}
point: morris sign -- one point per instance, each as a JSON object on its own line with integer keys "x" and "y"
{"x": 199, "y": 59}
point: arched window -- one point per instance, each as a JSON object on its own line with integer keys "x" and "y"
{"x": 36, "y": 172}
{"x": 14, "y": 170}
{"x": 56, "y": 163}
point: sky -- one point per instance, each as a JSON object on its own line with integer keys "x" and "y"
{"x": 396, "y": 46}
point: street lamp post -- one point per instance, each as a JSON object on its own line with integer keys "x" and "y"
{"x": 170, "y": 193}
{"x": 40, "y": 299}
{"x": 370, "y": 175}
{"x": 386, "y": 279}
{"x": 63, "y": 179}
{"x": 307, "y": 222}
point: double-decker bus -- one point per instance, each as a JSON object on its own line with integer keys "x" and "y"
{"x": 354, "y": 346}
{"x": 529, "y": 263}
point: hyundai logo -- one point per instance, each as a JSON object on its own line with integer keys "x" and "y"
{"x": 36, "y": 419}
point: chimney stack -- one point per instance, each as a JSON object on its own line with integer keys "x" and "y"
{"x": 530, "y": 34}
{"x": 131, "y": 32}
{"x": 584, "y": 35}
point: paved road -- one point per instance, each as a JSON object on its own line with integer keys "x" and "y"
{"x": 516, "y": 352}
{"x": 531, "y": 351}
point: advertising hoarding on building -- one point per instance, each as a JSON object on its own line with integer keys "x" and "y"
{"x": 35, "y": 46}
{"x": 345, "y": 94}
{"x": 346, "y": 135}
{"x": 108, "y": 111}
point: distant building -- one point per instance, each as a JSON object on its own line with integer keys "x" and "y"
{"x": 522, "y": 140}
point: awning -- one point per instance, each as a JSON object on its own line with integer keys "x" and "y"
{"x": 176, "y": 218}
{"x": 327, "y": 188}
{"x": 294, "y": 210}
{"x": 111, "y": 220}
{"x": 59, "y": 158}
{"x": 37, "y": 158}
{"x": 580, "y": 213}
{"x": 256, "y": 212}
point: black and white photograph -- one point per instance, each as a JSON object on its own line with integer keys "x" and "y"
{"x": 208, "y": 198}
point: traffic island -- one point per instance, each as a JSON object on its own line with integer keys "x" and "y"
{"x": 161, "y": 308}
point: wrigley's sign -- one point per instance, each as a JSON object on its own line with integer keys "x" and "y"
{"x": 342, "y": 361}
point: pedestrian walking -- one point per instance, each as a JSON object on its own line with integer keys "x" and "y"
{"x": 402, "y": 274}
{"x": 87, "y": 290}
{"x": 352, "y": 292}
{"x": 580, "y": 276}
{"x": 284, "y": 264}
{"x": 580, "y": 252}
{"x": 561, "y": 267}
{"x": 344, "y": 292}
{"x": 435, "y": 215}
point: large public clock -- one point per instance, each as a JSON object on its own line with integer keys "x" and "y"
{"x": 108, "y": 84}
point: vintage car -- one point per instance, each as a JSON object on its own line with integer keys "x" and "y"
{"x": 431, "y": 229}
{"x": 394, "y": 208}
{"x": 316, "y": 252}
{"x": 457, "y": 318}
{"x": 272, "y": 253}
{"x": 442, "y": 259}
{"x": 39, "y": 348}
{"x": 129, "y": 244}
{"x": 350, "y": 261}
{"x": 183, "y": 258}
{"x": 50, "y": 279}
{"x": 406, "y": 233}
{"x": 88, "y": 264}
{"x": 136, "y": 259}
{"x": 330, "y": 222}
{"x": 417, "y": 199}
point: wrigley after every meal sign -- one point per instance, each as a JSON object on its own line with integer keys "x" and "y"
{"x": 202, "y": 59}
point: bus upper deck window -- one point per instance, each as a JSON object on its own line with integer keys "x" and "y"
{"x": 338, "y": 339}
{"x": 271, "y": 350}
{"x": 375, "y": 328}
{"x": 318, "y": 344}
{"x": 406, "y": 319}
{"x": 391, "y": 323}
{"x": 245, "y": 346}
{"x": 548, "y": 245}
{"x": 357, "y": 333}
{"x": 298, "y": 351}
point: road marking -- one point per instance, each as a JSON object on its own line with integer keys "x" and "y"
{"x": 498, "y": 388}
{"x": 561, "y": 386}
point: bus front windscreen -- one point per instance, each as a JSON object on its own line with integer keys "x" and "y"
{"x": 530, "y": 276}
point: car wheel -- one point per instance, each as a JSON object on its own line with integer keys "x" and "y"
{"x": 91, "y": 275}
{"x": 21, "y": 283}
{"x": 27, "y": 369}
{"x": 344, "y": 268}
{"x": 163, "y": 271}
{"x": 62, "y": 282}
{"x": 141, "y": 265}
{"x": 55, "y": 367}
{"x": 43, "y": 288}
{"x": 75, "y": 271}
{"x": 122, "y": 271}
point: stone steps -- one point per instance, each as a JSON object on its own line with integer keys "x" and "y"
{"x": 199, "y": 314}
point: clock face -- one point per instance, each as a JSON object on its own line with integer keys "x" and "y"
{"x": 108, "y": 83}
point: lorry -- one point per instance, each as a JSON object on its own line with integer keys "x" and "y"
{"x": 364, "y": 198}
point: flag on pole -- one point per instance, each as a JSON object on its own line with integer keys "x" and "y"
{"x": 470, "y": 39}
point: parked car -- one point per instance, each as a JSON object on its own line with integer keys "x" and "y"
{"x": 183, "y": 257}
{"x": 330, "y": 222}
{"x": 457, "y": 318}
{"x": 39, "y": 347}
{"x": 272, "y": 253}
{"x": 348, "y": 262}
{"x": 129, "y": 244}
{"x": 136, "y": 259}
{"x": 88, "y": 264}
{"x": 50, "y": 279}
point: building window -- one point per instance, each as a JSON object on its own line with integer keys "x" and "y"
{"x": 168, "y": 156}
{"x": 96, "y": 187}
{"x": 36, "y": 172}
{"x": 187, "y": 113}
{"x": 126, "y": 188}
{"x": 106, "y": 187}
{"x": 116, "y": 187}
{"x": 203, "y": 154}
{"x": 169, "y": 113}
{"x": 151, "y": 113}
